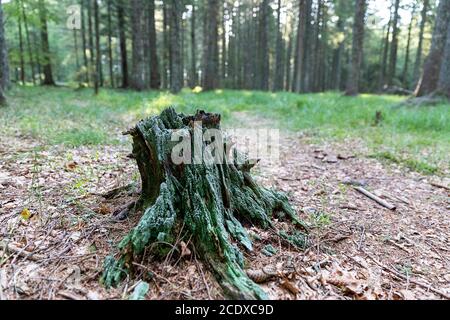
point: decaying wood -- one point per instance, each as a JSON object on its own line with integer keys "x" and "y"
{"x": 375, "y": 198}
{"x": 9, "y": 247}
{"x": 208, "y": 199}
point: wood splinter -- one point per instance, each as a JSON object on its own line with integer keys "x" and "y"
{"x": 375, "y": 198}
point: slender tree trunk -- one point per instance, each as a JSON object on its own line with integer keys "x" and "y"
{"x": 123, "y": 43}
{"x": 110, "y": 47}
{"x": 37, "y": 47}
{"x": 308, "y": 58}
{"x": 224, "y": 43}
{"x": 138, "y": 66}
{"x": 166, "y": 46}
{"x": 98, "y": 54}
{"x": 75, "y": 43}
{"x": 430, "y": 75}
{"x": 263, "y": 46}
{"x": 176, "y": 78}
{"x": 384, "y": 61}
{"x": 288, "y": 71}
{"x": 211, "y": 50}
{"x": 443, "y": 87}
{"x": 357, "y": 49}
{"x": 155, "y": 76}
{"x": 394, "y": 45}
{"x": 300, "y": 48}
{"x": 21, "y": 51}
{"x": 408, "y": 46}
{"x": 83, "y": 40}
{"x": 91, "y": 42}
{"x": 4, "y": 64}
{"x": 423, "y": 22}
{"x": 30, "y": 49}
{"x": 193, "y": 73}
{"x": 279, "y": 70}
{"x": 48, "y": 73}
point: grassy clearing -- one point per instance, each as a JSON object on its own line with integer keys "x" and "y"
{"x": 418, "y": 138}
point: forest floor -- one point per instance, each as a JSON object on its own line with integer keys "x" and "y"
{"x": 58, "y": 227}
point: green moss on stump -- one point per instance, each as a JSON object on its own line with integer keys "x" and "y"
{"x": 208, "y": 199}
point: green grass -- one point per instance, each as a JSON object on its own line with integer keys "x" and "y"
{"x": 416, "y": 137}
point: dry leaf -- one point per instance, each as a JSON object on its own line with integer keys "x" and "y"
{"x": 289, "y": 286}
{"x": 71, "y": 166}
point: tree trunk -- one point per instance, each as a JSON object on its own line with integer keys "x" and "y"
{"x": 193, "y": 73}
{"x": 166, "y": 47}
{"x": 430, "y": 75}
{"x": 357, "y": 49}
{"x": 110, "y": 49}
{"x": 92, "y": 65}
{"x": 155, "y": 76}
{"x": 138, "y": 66}
{"x": 408, "y": 46}
{"x": 4, "y": 64}
{"x": 84, "y": 41}
{"x": 394, "y": 45}
{"x": 205, "y": 200}
{"x": 98, "y": 54}
{"x": 224, "y": 44}
{"x": 443, "y": 87}
{"x": 300, "y": 48}
{"x": 279, "y": 70}
{"x": 30, "y": 49}
{"x": 123, "y": 43}
{"x": 384, "y": 59}
{"x": 288, "y": 70}
{"x": 423, "y": 22}
{"x": 48, "y": 73}
{"x": 211, "y": 50}
{"x": 263, "y": 47}
{"x": 21, "y": 51}
{"x": 176, "y": 77}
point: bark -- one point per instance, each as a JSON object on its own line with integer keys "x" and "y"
{"x": 224, "y": 44}
{"x": 443, "y": 87}
{"x": 430, "y": 75}
{"x": 193, "y": 71}
{"x": 394, "y": 45}
{"x": 4, "y": 64}
{"x": 21, "y": 52}
{"x": 155, "y": 76}
{"x": 110, "y": 49}
{"x": 300, "y": 48}
{"x": 138, "y": 66}
{"x": 84, "y": 41}
{"x": 91, "y": 35}
{"x": 408, "y": 46}
{"x": 98, "y": 54}
{"x": 46, "y": 58}
{"x": 279, "y": 67}
{"x": 176, "y": 77}
{"x": 384, "y": 60}
{"x": 211, "y": 49}
{"x": 166, "y": 47}
{"x": 204, "y": 200}
{"x": 123, "y": 43}
{"x": 30, "y": 49}
{"x": 357, "y": 49}
{"x": 263, "y": 47}
{"x": 423, "y": 22}
{"x": 288, "y": 70}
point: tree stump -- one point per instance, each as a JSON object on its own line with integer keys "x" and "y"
{"x": 209, "y": 200}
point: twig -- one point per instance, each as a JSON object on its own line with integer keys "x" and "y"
{"x": 375, "y": 198}
{"x": 21, "y": 252}
{"x": 399, "y": 275}
{"x": 441, "y": 186}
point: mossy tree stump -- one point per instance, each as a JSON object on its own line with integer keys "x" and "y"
{"x": 208, "y": 199}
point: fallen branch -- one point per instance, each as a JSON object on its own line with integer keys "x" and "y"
{"x": 8, "y": 247}
{"x": 375, "y": 198}
{"x": 399, "y": 275}
{"x": 440, "y": 186}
